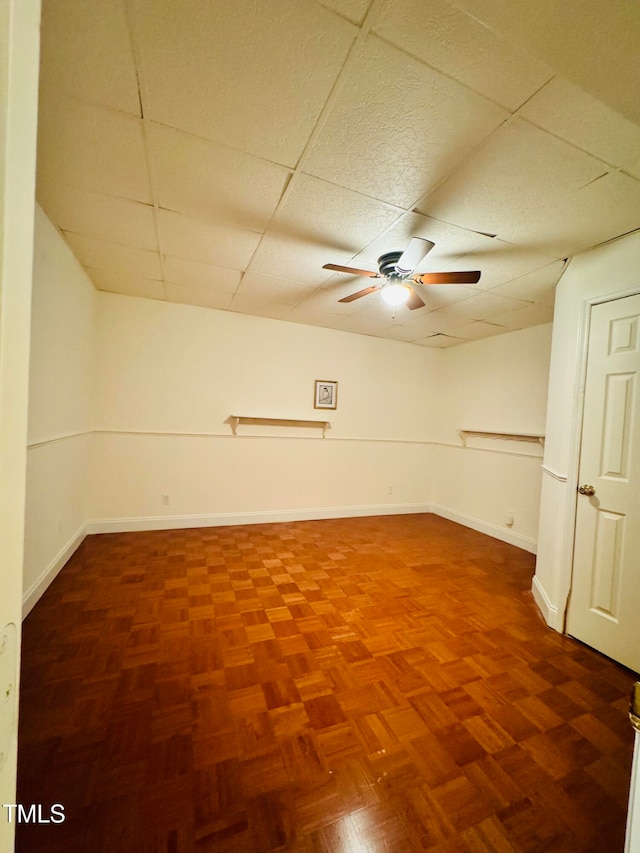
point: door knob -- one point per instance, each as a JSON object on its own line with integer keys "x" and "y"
{"x": 589, "y": 491}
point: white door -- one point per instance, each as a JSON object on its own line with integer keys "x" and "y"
{"x": 604, "y": 606}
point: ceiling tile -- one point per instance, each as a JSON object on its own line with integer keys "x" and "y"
{"x": 477, "y": 330}
{"x": 260, "y": 306}
{"x": 211, "y": 181}
{"x": 117, "y": 282}
{"x": 566, "y": 111}
{"x": 442, "y": 295}
{"x": 251, "y": 75}
{"x": 197, "y": 295}
{"x": 319, "y": 223}
{"x": 268, "y": 289}
{"x": 354, "y": 10}
{"x": 514, "y": 184}
{"x": 450, "y": 241}
{"x": 532, "y": 315}
{"x": 85, "y": 51}
{"x": 499, "y": 262}
{"x": 397, "y": 127}
{"x": 537, "y": 286}
{"x": 437, "y": 33}
{"x": 116, "y": 220}
{"x": 92, "y": 148}
{"x": 204, "y": 241}
{"x": 114, "y": 257}
{"x": 439, "y": 341}
{"x": 204, "y": 276}
{"x": 480, "y": 307}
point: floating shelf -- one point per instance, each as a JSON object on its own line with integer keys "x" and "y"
{"x": 534, "y": 438}
{"x": 236, "y": 420}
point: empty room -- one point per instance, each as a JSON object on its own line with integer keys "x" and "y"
{"x": 319, "y": 337}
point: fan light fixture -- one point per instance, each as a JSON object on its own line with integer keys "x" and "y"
{"x": 395, "y": 293}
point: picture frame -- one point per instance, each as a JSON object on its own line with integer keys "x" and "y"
{"x": 326, "y": 394}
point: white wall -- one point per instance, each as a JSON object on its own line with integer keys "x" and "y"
{"x": 19, "y": 50}
{"x": 608, "y": 271}
{"x": 495, "y": 384}
{"x": 60, "y": 415}
{"x": 179, "y": 372}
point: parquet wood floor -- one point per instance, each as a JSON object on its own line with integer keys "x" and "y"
{"x": 344, "y": 686}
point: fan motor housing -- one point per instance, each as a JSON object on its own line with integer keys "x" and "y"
{"x": 387, "y": 263}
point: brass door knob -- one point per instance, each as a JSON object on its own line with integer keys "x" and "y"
{"x": 589, "y": 491}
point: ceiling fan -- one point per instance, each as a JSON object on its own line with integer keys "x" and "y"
{"x": 397, "y": 270}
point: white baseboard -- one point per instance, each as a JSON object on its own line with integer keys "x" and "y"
{"x": 550, "y": 614}
{"x": 36, "y": 590}
{"x": 524, "y": 542}
{"x": 175, "y": 522}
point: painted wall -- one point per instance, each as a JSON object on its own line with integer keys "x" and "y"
{"x": 19, "y": 51}
{"x": 610, "y": 270}
{"x": 495, "y": 384}
{"x": 169, "y": 376}
{"x": 60, "y": 408}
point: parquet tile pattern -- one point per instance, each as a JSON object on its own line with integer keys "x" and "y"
{"x": 356, "y": 685}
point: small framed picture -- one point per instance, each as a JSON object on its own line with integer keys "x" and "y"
{"x": 326, "y": 396}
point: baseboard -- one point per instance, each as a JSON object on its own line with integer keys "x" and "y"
{"x": 550, "y": 614}
{"x": 524, "y": 542}
{"x": 175, "y": 522}
{"x": 37, "y": 589}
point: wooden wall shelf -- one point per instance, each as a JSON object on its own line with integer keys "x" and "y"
{"x": 535, "y": 438}
{"x": 237, "y": 420}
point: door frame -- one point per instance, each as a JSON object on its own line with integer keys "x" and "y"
{"x": 575, "y": 441}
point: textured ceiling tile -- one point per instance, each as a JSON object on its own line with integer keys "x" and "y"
{"x": 116, "y": 220}
{"x": 520, "y": 178}
{"x": 92, "y": 148}
{"x": 321, "y": 212}
{"x": 253, "y": 75}
{"x": 85, "y": 51}
{"x": 532, "y": 315}
{"x": 537, "y": 286}
{"x": 477, "y": 330}
{"x": 499, "y": 262}
{"x": 114, "y": 257}
{"x": 261, "y": 306}
{"x": 594, "y": 44}
{"x": 396, "y": 127}
{"x": 319, "y": 223}
{"x": 566, "y": 111}
{"x": 439, "y": 341}
{"x": 442, "y": 295}
{"x": 204, "y": 276}
{"x": 267, "y": 288}
{"x": 482, "y": 306}
{"x": 206, "y": 242}
{"x": 444, "y": 37}
{"x": 209, "y": 180}
{"x": 450, "y": 242}
{"x": 197, "y": 295}
{"x": 354, "y": 10}
{"x": 116, "y": 282}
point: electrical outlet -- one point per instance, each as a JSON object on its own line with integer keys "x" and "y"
{"x": 389, "y": 490}
{"x": 510, "y": 518}
{"x": 165, "y": 500}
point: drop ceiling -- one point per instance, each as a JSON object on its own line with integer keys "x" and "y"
{"x": 218, "y": 153}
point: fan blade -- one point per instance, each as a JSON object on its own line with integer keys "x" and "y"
{"x": 471, "y": 277}
{"x": 351, "y": 270}
{"x": 360, "y": 293}
{"x": 414, "y": 301}
{"x": 416, "y": 251}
